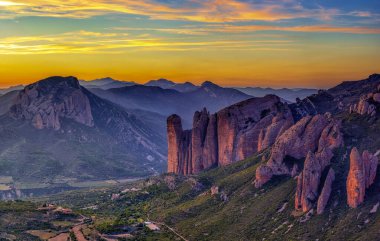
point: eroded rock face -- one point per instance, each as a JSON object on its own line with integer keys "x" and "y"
{"x": 326, "y": 191}
{"x": 175, "y": 132}
{"x": 231, "y": 134}
{"x": 46, "y": 102}
{"x": 355, "y": 180}
{"x": 203, "y": 141}
{"x": 361, "y": 175}
{"x": 318, "y": 134}
{"x": 239, "y": 126}
{"x": 370, "y": 163}
{"x": 311, "y": 175}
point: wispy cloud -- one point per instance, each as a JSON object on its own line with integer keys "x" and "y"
{"x": 188, "y": 10}
{"x": 85, "y": 42}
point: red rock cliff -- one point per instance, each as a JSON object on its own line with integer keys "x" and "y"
{"x": 361, "y": 175}
{"x": 231, "y": 134}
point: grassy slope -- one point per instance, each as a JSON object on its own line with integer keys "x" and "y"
{"x": 252, "y": 214}
{"x": 249, "y": 213}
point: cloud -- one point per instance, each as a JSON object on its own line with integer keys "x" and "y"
{"x": 85, "y": 42}
{"x": 216, "y": 11}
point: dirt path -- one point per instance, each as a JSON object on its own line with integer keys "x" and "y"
{"x": 171, "y": 229}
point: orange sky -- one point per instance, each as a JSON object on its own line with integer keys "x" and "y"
{"x": 232, "y": 43}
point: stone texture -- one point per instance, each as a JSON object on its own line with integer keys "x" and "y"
{"x": 203, "y": 141}
{"x": 311, "y": 175}
{"x": 239, "y": 126}
{"x": 365, "y": 106}
{"x": 370, "y": 163}
{"x": 175, "y": 132}
{"x": 361, "y": 176}
{"x": 355, "y": 180}
{"x": 319, "y": 134}
{"x": 231, "y": 134}
{"x": 47, "y": 102}
{"x": 326, "y": 191}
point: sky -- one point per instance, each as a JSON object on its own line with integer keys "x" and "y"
{"x": 268, "y": 43}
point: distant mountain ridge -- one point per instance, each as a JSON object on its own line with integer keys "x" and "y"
{"x": 10, "y": 89}
{"x": 106, "y": 83}
{"x": 170, "y": 101}
{"x": 168, "y": 84}
{"x": 285, "y": 93}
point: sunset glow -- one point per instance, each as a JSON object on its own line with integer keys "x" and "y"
{"x": 231, "y": 42}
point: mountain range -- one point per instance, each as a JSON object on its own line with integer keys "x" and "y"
{"x": 257, "y": 169}
{"x": 290, "y": 95}
{"x": 168, "y": 101}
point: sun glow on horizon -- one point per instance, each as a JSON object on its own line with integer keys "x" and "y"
{"x": 8, "y": 3}
{"x": 233, "y": 43}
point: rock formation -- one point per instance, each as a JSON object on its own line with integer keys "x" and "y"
{"x": 318, "y": 134}
{"x": 308, "y": 183}
{"x": 229, "y": 135}
{"x": 179, "y": 148}
{"x": 326, "y": 191}
{"x": 46, "y": 102}
{"x": 366, "y": 104}
{"x": 203, "y": 141}
{"x": 361, "y": 175}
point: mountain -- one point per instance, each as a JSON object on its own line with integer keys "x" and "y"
{"x": 10, "y": 89}
{"x": 285, "y": 93}
{"x": 184, "y": 87}
{"x": 56, "y": 129}
{"x": 168, "y": 84}
{"x": 168, "y": 101}
{"x": 260, "y": 169}
{"x": 105, "y": 83}
{"x": 163, "y": 83}
{"x": 316, "y": 173}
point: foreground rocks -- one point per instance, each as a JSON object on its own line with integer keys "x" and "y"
{"x": 229, "y": 135}
{"x": 361, "y": 176}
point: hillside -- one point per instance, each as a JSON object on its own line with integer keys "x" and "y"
{"x": 225, "y": 202}
{"x": 57, "y": 131}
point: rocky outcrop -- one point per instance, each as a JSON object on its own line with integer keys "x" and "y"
{"x": 239, "y": 127}
{"x": 366, "y": 104}
{"x": 326, "y": 191}
{"x": 361, "y": 175}
{"x": 229, "y": 135}
{"x": 318, "y": 134}
{"x": 47, "y": 102}
{"x": 203, "y": 141}
{"x": 309, "y": 182}
{"x": 307, "y": 187}
{"x": 179, "y": 148}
